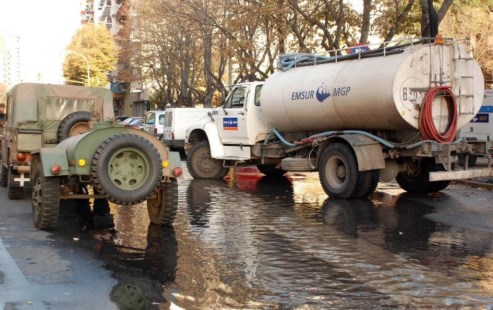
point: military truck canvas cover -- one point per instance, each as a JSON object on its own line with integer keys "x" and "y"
{"x": 43, "y": 106}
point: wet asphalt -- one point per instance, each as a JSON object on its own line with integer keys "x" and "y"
{"x": 255, "y": 242}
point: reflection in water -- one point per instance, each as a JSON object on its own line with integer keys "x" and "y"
{"x": 141, "y": 272}
{"x": 350, "y": 215}
{"x": 260, "y": 242}
{"x": 200, "y": 199}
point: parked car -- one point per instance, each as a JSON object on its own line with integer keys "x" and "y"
{"x": 154, "y": 122}
{"x": 120, "y": 119}
{"x": 134, "y": 122}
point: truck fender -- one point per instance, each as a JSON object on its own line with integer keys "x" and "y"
{"x": 368, "y": 152}
{"x": 215, "y": 145}
{"x": 54, "y": 156}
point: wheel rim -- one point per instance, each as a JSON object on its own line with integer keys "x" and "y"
{"x": 128, "y": 169}
{"x": 336, "y": 171}
{"x": 205, "y": 163}
{"x": 154, "y": 203}
{"x": 79, "y": 128}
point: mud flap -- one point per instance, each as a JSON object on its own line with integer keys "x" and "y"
{"x": 18, "y": 179}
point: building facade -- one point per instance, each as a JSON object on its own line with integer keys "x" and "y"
{"x": 10, "y": 60}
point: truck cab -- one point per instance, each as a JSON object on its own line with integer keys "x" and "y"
{"x": 235, "y": 126}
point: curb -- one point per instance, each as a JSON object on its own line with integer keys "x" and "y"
{"x": 476, "y": 184}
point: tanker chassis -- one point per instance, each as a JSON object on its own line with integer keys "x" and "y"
{"x": 392, "y": 112}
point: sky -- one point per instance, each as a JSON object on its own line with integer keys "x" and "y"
{"x": 45, "y": 27}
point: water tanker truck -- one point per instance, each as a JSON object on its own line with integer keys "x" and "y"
{"x": 357, "y": 119}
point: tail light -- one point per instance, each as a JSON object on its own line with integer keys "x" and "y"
{"x": 21, "y": 156}
{"x": 56, "y": 169}
{"x": 177, "y": 172}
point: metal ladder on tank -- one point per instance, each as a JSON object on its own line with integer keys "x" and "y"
{"x": 464, "y": 64}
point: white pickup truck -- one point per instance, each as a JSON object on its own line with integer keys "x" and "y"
{"x": 176, "y": 122}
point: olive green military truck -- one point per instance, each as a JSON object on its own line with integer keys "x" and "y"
{"x": 62, "y": 141}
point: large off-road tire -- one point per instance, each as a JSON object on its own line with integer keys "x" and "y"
{"x": 201, "y": 165}
{"x": 163, "y": 205}
{"x": 270, "y": 170}
{"x": 73, "y": 124}
{"x": 417, "y": 181}
{"x": 13, "y": 192}
{"x": 4, "y": 179}
{"x": 126, "y": 168}
{"x": 338, "y": 171}
{"x": 45, "y": 198}
{"x": 368, "y": 183}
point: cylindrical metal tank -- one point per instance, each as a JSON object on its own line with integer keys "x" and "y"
{"x": 374, "y": 93}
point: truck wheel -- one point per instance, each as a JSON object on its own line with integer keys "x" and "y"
{"x": 4, "y": 179}
{"x": 45, "y": 199}
{"x": 126, "y": 168}
{"x": 338, "y": 171}
{"x": 13, "y": 192}
{"x": 417, "y": 180}
{"x": 201, "y": 165}
{"x": 368, "y": 183}
{"x": 270, "y": 170}
{"x": 163, "y": 206}
{"x": 471, "y": 162}
{"x": 73, "y": 124}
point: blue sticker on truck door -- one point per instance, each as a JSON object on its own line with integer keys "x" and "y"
{"x": 230, "y": 123}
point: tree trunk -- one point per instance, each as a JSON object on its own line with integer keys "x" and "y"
{"x": 365, "y": 26}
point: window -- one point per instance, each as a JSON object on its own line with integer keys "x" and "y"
{"x": 237, "y": 98}
{"x": 258, "y": 91}
{"x": 168, "y": 118}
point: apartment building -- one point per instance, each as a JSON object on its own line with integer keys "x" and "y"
{"x": 10, "y": 60}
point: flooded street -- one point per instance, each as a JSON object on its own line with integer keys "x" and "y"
{"x": 254, "y": 242}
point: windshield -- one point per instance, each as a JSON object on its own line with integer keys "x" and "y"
{"x": 150, "y": 118}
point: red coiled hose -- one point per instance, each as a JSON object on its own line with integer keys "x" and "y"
{"x": 426, "y": 124}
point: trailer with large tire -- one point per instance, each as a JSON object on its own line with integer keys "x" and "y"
{"x": 123, "y": 165}
{"x": 62, "y": 142}
{"x": 41, "y": 115}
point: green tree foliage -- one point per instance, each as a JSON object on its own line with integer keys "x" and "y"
{"x": 91, "y": 47}
{"x": 188, "y": 49}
